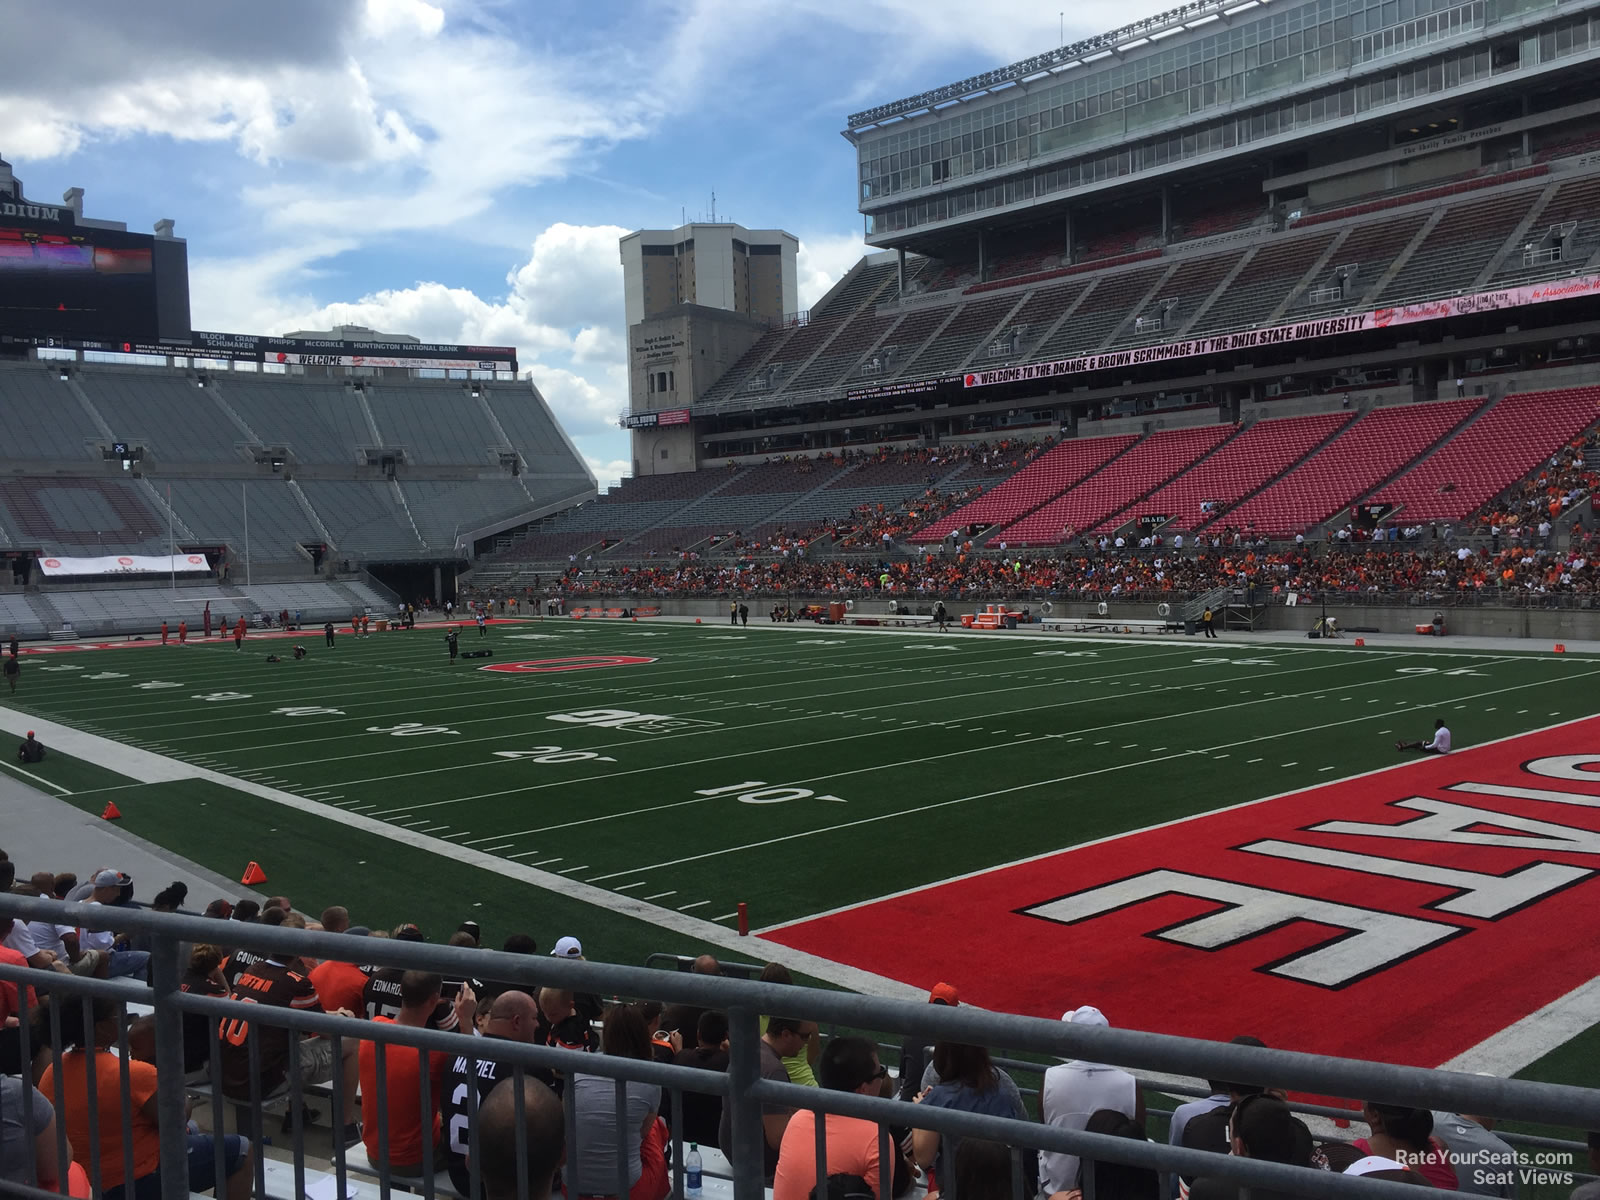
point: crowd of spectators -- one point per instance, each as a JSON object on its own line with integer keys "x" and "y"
{"x": 472, "y": 1113}
{"x": 1427, "y": 573}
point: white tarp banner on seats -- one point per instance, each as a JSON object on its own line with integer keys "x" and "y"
{"x": 126, "y": 564}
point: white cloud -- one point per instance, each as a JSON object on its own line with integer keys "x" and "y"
{"x": 822, "y": 262}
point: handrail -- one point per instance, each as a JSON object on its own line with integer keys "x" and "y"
{"x": 743, "y": 1088}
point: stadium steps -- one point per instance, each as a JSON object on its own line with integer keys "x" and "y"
{"x": 1238, "y": 268}
{"x": 82, "y": 396}
{"x": 1400, "y": 260}
{"x": 366, "y": 415}
{"x": 926, "y": 342}
{"x": 1476, "y": 415}
{"x": 800, "y": 500}
{"x": 159, "y": 499}
{"x": 312, "y": 515}
{"x": 400, "y": 495}
{"x": 675, "y": 519}
{"x": 1125, "y": 520}
{"x": 1220, "y": 517}
{"x": 1309, "y": 278}
{"x": 1003, "y": 324}
{"x": 1066, "y": 315}
{"x": 214, "y": 390}
{"x": 1137, "y": 310}
{"x": 47, "y": 613}
{"x": 1515, "y": 238}
{"x": 868, "y": 302}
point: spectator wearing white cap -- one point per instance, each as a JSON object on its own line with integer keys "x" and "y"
{"x": 107, "y": 890}
{"x": 1075, "y": 1090}
{"x": 587, "y": 1004}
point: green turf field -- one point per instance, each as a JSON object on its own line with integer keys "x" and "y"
{"x": 796, "y": 769}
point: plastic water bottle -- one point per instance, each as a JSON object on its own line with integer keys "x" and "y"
{"x": 691, "y": 1172}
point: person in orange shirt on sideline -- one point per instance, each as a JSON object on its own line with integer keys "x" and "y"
{"x": 238, "y": 635}
{"x": 163, "y": 633}
{"x": 183, "y": 632}
{"x": 142, "y": 1121}
{"x": 419, "y": 994}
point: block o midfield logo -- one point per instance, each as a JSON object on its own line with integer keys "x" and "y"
{"x": 577, "y": 662}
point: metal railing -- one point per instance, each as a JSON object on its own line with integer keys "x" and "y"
{"x": 742, "y": 1088}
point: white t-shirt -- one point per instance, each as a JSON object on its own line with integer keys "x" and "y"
{"x": 89, "y": 939}
{"x": 20, "y": 940}
{"x": 1072, "y": 1093}
{"x": 47, "y": 936}
{"x": 1441, "y": 740}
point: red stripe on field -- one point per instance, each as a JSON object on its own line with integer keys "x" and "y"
{"x": 1420, "y": 1008}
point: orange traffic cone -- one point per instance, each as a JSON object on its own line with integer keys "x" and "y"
{"x": 111, "y": 813}
{"x": 253, "y": 874}
{"x": 1561, "y": 648}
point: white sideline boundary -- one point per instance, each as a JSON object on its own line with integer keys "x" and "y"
{"x": 146, "y": 767}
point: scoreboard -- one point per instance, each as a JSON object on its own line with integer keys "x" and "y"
{"x": 59, "y": 279}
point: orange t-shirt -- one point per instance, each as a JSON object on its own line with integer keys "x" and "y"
{"x": 339, "y": 985}
{"x": 74, "y": 1111}
{"x": 852, "y": 1150}
{"x": 402, "y": 1071}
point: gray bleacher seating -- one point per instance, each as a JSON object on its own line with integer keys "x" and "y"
{"x": 216, "y": 512}
{"x": 173, "y": 419}
{"x": 443, "y": 509}
{"x": 82, "y": 516}
{"x": 317, "y": 420}
{"x": 43, "y": 419}
{"x": 365, "y": 514}
{"x": 436, "y": 423}
{"x": 17, "y": 617}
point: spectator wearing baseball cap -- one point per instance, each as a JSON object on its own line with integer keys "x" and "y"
{"x": 1073, "y": 1091}
{"x": 914, "y": 1050}
{"x": 587, "y": 1004}
{"x": 108, "y": 889}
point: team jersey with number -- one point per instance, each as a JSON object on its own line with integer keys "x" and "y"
{"x": 455, "y": 1107}
{"x": 381, "y": 998}
{"x": 271, "y": 983}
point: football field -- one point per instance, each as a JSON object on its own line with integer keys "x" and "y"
{"x": 1197, "y": 836}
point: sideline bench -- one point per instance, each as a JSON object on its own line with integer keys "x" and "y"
{"x": 898, "y": 619}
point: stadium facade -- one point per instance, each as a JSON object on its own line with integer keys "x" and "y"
{"x": 1215, "y": 208}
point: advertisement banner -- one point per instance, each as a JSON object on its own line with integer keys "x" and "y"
{"x": 125, "y": 564}
{"x": 1299, "y": 331}
{"x": 367, "y": 360}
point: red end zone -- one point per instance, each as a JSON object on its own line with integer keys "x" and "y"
{"x": 1405, "y": 916}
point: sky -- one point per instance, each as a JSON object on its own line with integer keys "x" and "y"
{"x": 461, "y": 170}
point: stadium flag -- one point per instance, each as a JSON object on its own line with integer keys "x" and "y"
{"x": 125, "y": 564}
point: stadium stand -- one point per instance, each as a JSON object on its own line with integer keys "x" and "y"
{"x": 1264, "y": 282}
{"x": 433, "y": 428}
{"x": 1504, "y": 444}
{"x": 1101, "y": 312}
{"x": 1361, "y": 458}
{"x": 216, "y": 510}
{"x": 365, "y": 513}
{"x": 317, "y": 421}
{"x": 1457, "y": 248}
{"x": 1178, "y": 300}
{"x": 43, "y": 419}
{"x": 1092, "y": 503}
{"x": 975, "y": 320}
{"x": 1369, "y": 249}
{"x": 444, "y": 510}
{"x": 82, "y": 516}
{"x": 1248, "y": 461}
{"x": 172, "y": 417}
{"x": 1043, "y": 479}
{"x": 1578, "y": 201}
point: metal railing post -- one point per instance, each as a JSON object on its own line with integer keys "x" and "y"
{"x": 747, "y": 1154}
{"x": 171, "y": 1097}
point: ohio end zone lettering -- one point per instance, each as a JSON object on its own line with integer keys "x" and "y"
{"x": 1335, "y": 919}
{"x": 1368, "y": 940}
